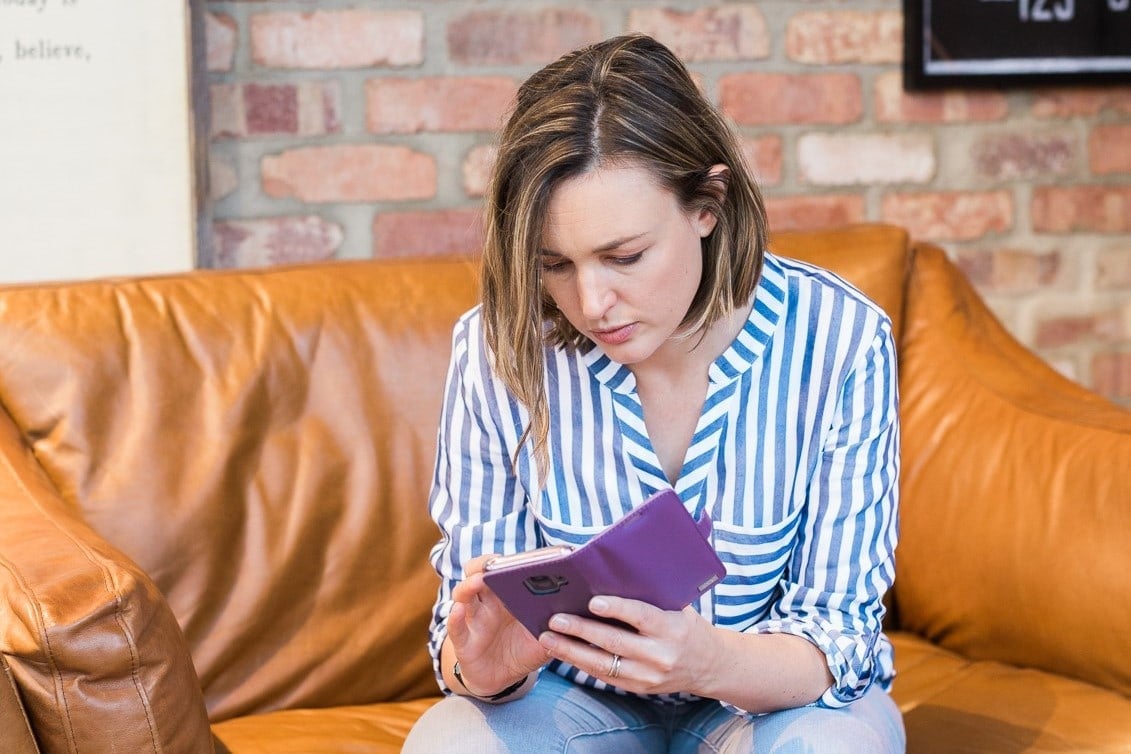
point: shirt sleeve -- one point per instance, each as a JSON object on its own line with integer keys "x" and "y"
{"x": 476, "y": 499}
{"x": 833, "y": 588}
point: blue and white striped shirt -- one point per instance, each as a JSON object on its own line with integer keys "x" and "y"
{"x": 795, "y": 457}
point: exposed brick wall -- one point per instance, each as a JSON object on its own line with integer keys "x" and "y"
{"x": 356, "y": 128}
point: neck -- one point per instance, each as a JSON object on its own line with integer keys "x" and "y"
{"x": 689, "y": 357}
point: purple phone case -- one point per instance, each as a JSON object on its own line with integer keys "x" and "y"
{"x": 657, "y": 554}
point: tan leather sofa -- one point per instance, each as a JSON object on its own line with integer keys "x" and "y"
{"x": 213, "y": 532}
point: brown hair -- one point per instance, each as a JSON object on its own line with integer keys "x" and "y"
{"x": 629, "y": 100}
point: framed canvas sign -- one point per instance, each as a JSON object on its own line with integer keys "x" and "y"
{"x": 101, "y": 172}
{"x": 951, "y": 43}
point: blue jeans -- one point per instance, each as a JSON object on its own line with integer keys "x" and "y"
{"x": 560, "y": 716}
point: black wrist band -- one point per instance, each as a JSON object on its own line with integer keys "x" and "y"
{"x": 494, "y": 697}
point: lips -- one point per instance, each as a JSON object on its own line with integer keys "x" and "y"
{"x": 614, "y": 336}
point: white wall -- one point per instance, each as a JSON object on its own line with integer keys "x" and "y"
{"x": 95, "y": 139}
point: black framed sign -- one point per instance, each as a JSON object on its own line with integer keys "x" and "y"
{"x": 1002, "y": 42}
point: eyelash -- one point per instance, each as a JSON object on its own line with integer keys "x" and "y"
{"x": 624, "y": 261}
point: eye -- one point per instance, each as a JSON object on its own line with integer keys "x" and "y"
{"x": 554, "y": 264}
{"x": 627, "y": 259}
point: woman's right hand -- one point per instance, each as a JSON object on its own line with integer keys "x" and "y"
{"x": 494, "y": 650}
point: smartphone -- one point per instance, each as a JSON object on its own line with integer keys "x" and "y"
{"x": 539, "y": 555}
{"x": 656, "y": 553}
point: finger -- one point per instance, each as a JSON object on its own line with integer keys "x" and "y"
{"x": 473, "y": 585}
{"x": 607, "y": 638}
{"x": 594, "y": 660}
{"x": 647, "y": 619}
{"x": 475, "y": 593}
{"x": 476, "y": 564}
{"x": 481, "y": 606}
{"x": 470, "y": 624}
{"x": 468, "y": 589}
{"x": 458, "y": 629}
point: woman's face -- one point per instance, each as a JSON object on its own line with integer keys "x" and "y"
{"x": 622, "y": 260}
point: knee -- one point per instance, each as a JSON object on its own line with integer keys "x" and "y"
{"x": 836, "y": 738}
{"x": 863, "y": 728}
{"x": 436, "y": 730}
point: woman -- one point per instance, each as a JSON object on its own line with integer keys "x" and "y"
{"x": 634, "y": 334}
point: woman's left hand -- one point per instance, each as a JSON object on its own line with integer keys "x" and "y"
{"x": 670, "y": 651}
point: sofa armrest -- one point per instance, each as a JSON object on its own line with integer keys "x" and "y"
{"x": 1016, "y": 496}
{"x": 98, "y": 659}
{"x": 15, "y": 732}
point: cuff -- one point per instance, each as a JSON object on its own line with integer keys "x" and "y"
{"x": 850, "y": 657}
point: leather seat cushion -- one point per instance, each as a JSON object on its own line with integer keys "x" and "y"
{"x": 365, "y": 729}
{"x": 952, "y": 705}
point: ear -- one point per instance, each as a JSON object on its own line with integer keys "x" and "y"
{"x": 705, "y": 220}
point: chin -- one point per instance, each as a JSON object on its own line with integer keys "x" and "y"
{"x": 628, "y": 354}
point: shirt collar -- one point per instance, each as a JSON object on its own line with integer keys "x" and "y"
{"x": 765, "y": 316}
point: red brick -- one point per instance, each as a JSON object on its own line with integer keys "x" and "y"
{"x": 812, "y": 212}
{"x": 825, "y": 37}
{"x": 477, "y": 167}
{"x": 518, "y": 37}
{"x": 829, "y": 159}
{"x": 338, "y": 38}
{"x": 274, "y": 240}
{"x": 776, "y": 98}
{"x": 306, "y": 108}
{"x": 428, "y": 233}
{"x": 227, "y": 111}
{"x": 1114, "y": 326}
{"x": 764, "y": 156}
{"x": 1109, "y": 149}
{"x": 1064, "y": 209}
{"x": 220, "y": 39}
{"x": 350, "y": 173}
{"x": 1113, "y": 269}
{"x": 1025, "y": 155}
{"x": 319, "y": 108}
{"x": 893, "y": 105}
{"x": 395, "y": 105}
{"x": 1081, "y": 329}
{"x": 722, "y": 32}
{"x": 271, "y": 108}
{"x": 222, "y": 177}
{"x": 1071, "y": 103}
{"x": 1055, "y": 332}
{"x": 1009, "y": 270}
{"x": 950, "y": 215}
{"x": 1111, "y": 375}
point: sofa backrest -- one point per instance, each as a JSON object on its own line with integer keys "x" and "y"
{"x": 1015, "y": 520}
{"x": 874, "y": 258}
{"x": 261, "y": 445}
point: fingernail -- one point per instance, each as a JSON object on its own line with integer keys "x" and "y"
{"x": 598, "y": 605}
{"x": 558, "y": 623}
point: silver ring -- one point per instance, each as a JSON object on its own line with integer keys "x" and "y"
{"x": 614, "y": 669}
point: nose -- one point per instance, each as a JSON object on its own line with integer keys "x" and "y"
{"x": 594, "y": 293}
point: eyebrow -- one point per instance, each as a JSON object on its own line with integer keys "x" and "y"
{"x": 616, "y": 243}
